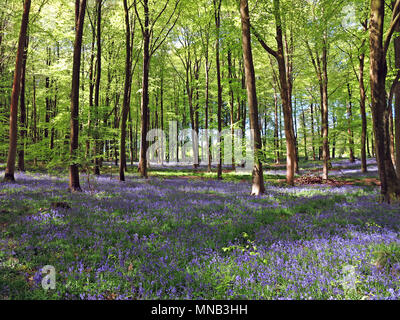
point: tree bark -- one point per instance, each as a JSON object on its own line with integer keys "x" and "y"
{"x": 97, "y": 90}
{"x": 74, "y": 124}
{"x": 350, "y": 129}
{"x": 12, "y": 150}
{"x": 397, "y": 102}
{"x": 258, "y": 178}
{"x": 145, "y": 91}
{"x": 22, "y": 119}
{"x": 378, "y": 71}
{"x": 362, "y": 111}
{"x": 217, "y": 12}
{"x": 126, "y": 101}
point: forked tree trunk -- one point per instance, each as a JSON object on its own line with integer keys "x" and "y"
{"x": 291, "y": 155}
{"x": 378, "y": 70}
{"x": 258, "y": 179}
{"x": 12, "y": 150}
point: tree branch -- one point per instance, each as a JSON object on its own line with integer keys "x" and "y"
{"x": 262, "y": 42}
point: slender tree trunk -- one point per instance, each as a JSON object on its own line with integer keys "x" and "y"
{"x": 304, "y": 134}
{"x": 126, "y": 101}
{"x": 286, "y": 106}
{"x": 12, "y": 151}
{"x": 207, "y": 69}
{"x": 312, "y": 132}
{"x": 145, "y": 92}
{"x": 258, "y": 178}
{"x": 324, "y": 109}
{"x": 363, "y": 113}
{"x": 162, "y": 114}
{"x": 91, "y": 92}
{"x": 391, "y": 134}
{"x": 276, "y": 129}
{"x": 22, "y": 119}
{"x": 97, "y": 90}
{"x": 48, "y": 99}
{"x": 289, "y": 76}
{"x": 217, "y": 12}
{"x": 74, "y": 136}
{"x": 231, "y": 106}
{"x": 334, "y": 137}
{"x": 349, "y": 129}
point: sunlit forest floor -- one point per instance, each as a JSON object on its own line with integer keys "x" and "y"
{"x": 181, "y": 234}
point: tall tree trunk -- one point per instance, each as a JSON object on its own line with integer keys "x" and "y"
{"x": 276, "y": 129}
{"x": 312, "y": 131}
{"x": 324, "y": 109}
{"x": 162, "y": 114}
{"x": 279, "y": 55}
{"x": 207, "y": 69}
{"x": 362, "y": 111}
{"x": 378, "y": 71}
{"x": 97, "y": 90}
{"x": 304, "y": 134}
{"x": 12, "y": 150}
{"x": 289, "y": 75}
{"x": 258, "y": 178}
{"x": 145, "y": 91}
{"x": 217, "y": 12}
{"x": 48, "y": 99}
{"x": 126, "y": 101}
{"x": 286, "y": 106}
{"x": 22, "y": 119}
{"x": 231, "y": 105}
{"x": 349, "y": 129}
{"x": 397, "y": 101}
{"x": 91, "y": 91}
{"x": 74, "y": 136}
{"x": 334, "y": 137}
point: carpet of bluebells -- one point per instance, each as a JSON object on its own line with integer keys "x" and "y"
{"x": 176, "y": 238}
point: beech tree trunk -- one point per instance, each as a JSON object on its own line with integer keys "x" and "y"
{"x": 80, "y": 9}
{"x": 126, "y": 101}
{"x": 12, "y": 150}
{"x": 378, "y": 70}
{"x": 231, "y": 102}
{"x": 217, "y": 11}
{"x": 145, "y": 92}
{"x": 258, "y": 178}
{"x": 285, "y": 87}
{"x": 397, "y": 102}
{"x": 349, "y": 129}
{"x": 324, "y": 109}
{"x": 22, "y": 118}
{"x": 363, "y": 113}
{"x": 312, "y": 132}
{"x": 97, "y": 90}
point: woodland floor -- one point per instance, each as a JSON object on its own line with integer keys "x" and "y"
{"x": 181, "y": 234}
